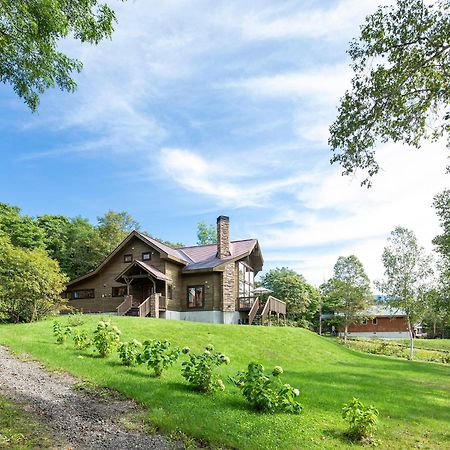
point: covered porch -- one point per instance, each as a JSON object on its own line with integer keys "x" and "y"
{"x": 146, "y": 289}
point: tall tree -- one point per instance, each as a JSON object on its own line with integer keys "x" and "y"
{"x": 206, "y": 234}
{"x": 113, "y": 228}
{"x": 21, "y": 230}
{"x": 407, "y": 277}
{"x": 442, "y": 241}
{"x": 31, "y": 283}
{"x": 30, "y": 33}
{"x": 400, "y": 89}
{"x": 302, "y": 299}
{"x": 348, "y": 292}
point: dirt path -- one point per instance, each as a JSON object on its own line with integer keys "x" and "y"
{"x": 78, "y": 419}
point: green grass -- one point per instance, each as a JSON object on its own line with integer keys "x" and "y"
{"x": 413, "y": 397}
{"x": 434, "y": 344}
{"x": 19, "y": 431}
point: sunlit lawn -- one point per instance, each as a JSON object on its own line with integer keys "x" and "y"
{"x": 413, "y": 397}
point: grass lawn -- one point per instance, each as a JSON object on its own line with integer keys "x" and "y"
{"x": 413, "y": 397}
{"x": 18, "y": 430}
{"x": 434, "y": 344}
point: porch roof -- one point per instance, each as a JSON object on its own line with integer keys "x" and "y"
{"x": 153, "y": 271}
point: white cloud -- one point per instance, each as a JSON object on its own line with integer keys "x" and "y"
{"x": 232, "y": 182}
{"x": 282, "y": 22}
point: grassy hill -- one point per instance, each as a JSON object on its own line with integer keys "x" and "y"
{"x": 413, "y": 397}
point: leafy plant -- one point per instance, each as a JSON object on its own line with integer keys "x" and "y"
{"x": 267, "y": 393}
{"x": 61, "y": 333}
{"x": 129, "y": 352}
{"x": 75, "y": 319}
{"x": 362, "y": 419}
{"x": 199, "y": 369}
{"x": 158, "y": 355}
{"x": 81, "y": 339}
{"x": 106, "y": 337}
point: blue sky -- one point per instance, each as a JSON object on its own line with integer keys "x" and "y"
{"x": 199, "y": 108}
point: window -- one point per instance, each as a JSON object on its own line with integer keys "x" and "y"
{"x": 169, "y": 291}
{"x": 146, "y": 256}
{"x": 82, "y": 293}
{"x": 127, "y": 258}
{"x": 375, "y": 321}
{"x": 246, "y": 280}
{"x": 196, "y": 296}
{"x": 364, "y": 322}
{"x": 119, "y": 291}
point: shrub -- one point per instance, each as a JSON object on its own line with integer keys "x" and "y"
{"x": 199, "y": 369}
{"x": 75, "y": 319}
{"x": 158, "y": 355}
{"x": 80, "y": 339}
{"x": 267, "y": 393}
{"x": 106, "y": 338}
{"x": 129, "y": 352}
{"x": 362, "y": 419}
{"x": 60, "y": 332}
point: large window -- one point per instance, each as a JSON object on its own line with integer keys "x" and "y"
{"x": 196, "y": 296}
{"x": 246, "y": 280}
{"x": 81, "y": 293}
{"x": 119, "y": 291}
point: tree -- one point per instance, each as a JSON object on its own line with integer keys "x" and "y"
{"x": 442, "y": 242}
{"x": 30, "y": 32}
{"x": 302, "y": 299}
{"x": 407, "y": 277}
{"x": 348, "y": 293}
{"x": 31, "y": 283}
{"x": 114, "y": 227}
{"x": 400, "y": 87}
{"x": 206, "y": 234}
{"x": 21, "y": 230}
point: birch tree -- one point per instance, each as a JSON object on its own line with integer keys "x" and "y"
{"x": 407, "y": 276}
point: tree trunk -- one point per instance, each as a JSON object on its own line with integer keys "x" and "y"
{"x": 434, "y": 328}
{"x": 411, "y": 340}
{"x": 345, "y": 333}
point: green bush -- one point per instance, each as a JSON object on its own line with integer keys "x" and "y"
{"x": 106, "y": 338}
{"x": 61, "y": 333}
{"x": 129, "y": 352}
{"x": 362, "y": 419}
{"x": 158, "y": 355}
{"x": 267, "y": 393}
{"x": 199, "y": 369}
{"x": 80, "y": 339}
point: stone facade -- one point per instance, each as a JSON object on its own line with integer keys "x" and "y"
{"x": 229, "y": 287}
{"x": 223, "y": 237}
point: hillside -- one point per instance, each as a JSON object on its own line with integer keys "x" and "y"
{"x": 413, "y": 398}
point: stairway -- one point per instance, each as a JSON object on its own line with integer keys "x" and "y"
{"x": 257, "y": 320}
{"x": 133, "y": 311}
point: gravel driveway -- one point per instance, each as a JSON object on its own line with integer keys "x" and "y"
{"x": 77, "y": 418}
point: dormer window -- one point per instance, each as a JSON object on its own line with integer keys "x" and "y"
{"x": 127, "y": 258}
{"x": 146, "y": 256}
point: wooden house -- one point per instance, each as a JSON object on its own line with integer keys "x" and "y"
{"x": 206, "y": 283}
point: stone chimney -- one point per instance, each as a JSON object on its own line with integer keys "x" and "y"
{"x": 223, "y": 237}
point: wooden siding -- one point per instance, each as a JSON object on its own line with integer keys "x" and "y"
{"x": 213, "y": 294}
{"x": 384, "y": 324}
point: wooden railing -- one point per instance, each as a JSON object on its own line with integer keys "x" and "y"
{"x": 253, "y": 311}
{"x": 125, "y": 306}
{"x": 273, "y": 305}
{"x": 245, "y": 303}
{"x": 144, "y": 307}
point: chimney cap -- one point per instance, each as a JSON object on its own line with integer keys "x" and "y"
{"x": 225, "y": 218}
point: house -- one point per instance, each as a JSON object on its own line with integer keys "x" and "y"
{"x": 379, "y": 321}
{"x": 205, "y": 283}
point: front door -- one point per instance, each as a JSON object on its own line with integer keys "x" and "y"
{"x": 147, "y": 290}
